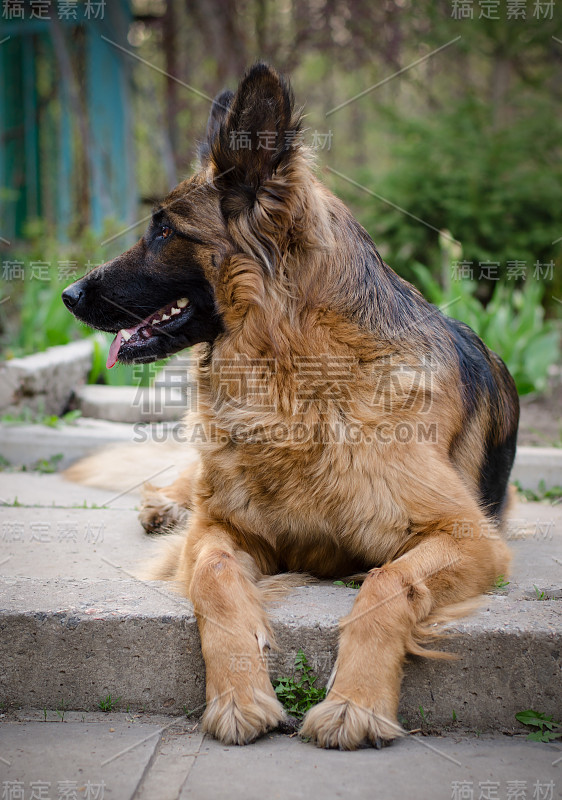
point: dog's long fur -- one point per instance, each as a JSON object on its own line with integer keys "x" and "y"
{"x": 290, "y": 293}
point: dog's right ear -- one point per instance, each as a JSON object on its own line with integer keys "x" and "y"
{"x": 258, "y": 138}
{"x": 219, "y": 110}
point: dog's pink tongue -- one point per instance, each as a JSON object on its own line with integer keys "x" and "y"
{"x": 114, "y": 351}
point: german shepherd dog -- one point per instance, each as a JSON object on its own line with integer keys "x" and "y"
{"x": 349, "y": 425}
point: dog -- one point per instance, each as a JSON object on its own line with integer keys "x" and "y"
{"x": 349, "y": 426}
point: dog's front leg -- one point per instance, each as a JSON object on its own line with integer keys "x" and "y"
{"x": 235, "y": 637}
{"x": 384, "y": 625}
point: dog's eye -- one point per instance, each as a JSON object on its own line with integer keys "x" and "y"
{"x": 165, "y": 231}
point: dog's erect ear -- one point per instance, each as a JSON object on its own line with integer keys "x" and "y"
{"x": 219, "y": 110}
{"x": 259, "y": 134}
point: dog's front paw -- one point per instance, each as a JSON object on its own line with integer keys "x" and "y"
{"x": 158, "y": 513}
{"x": 235, "y": 718}
{"x": 346, "y": 725}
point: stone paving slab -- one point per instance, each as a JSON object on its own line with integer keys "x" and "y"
{"x": 71, "y": 542}
{"x": 24, "y": 445}
{"x": 53, "y": 753}
{"x": 417, "y": 767}
{"x": 36, "y": 489}
{"x": 150, "y": 757}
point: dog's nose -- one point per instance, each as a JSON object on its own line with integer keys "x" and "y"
{"x": 72, "y": 296}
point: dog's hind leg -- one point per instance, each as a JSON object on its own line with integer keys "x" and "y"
{"x": 163, "y": 508}
{"x": 394, "y": 610}
{"x": 235, "y": 634}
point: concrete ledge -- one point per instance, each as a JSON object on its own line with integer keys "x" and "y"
{"x": 44, "y": 382}
{"x": 131, "y": 403}
{"x": 75, "y": 624}
{"x": 536, "y": 464}
{"x": 77, "y": 641}
{"x": 25, "y": 444}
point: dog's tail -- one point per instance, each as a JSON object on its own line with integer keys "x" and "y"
{"x": 123, "y": 466}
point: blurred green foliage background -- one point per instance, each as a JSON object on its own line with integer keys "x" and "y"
{"x": 449, "y": 155}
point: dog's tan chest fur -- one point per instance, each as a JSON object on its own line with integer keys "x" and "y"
{"x": 306, "y": 502}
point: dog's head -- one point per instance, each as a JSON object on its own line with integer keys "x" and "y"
{"x": 159, "y": 296}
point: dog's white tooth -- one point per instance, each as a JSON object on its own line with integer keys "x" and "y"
{"x": 165, "y": 316}
{"x": 175, "y": 311}
{"x": 125, "y": 334}
{"x": 155, "y": 321}
{"x": 182, "y": 302}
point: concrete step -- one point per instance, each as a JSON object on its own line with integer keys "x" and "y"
{"x": 131, "y": 403}
{"x": 147, "y": 757}
{"x": 44, "y": 382}
{"x": 172, "y": 392}
{"x": 76, "y": 624}
{"x": 24, "y": 445}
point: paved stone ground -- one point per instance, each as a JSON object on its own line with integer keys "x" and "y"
{"x": 123, "y": 756}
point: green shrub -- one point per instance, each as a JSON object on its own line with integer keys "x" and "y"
{"x": 497, "y": 188}
{"x": 512, "y": 324}
{"x": 35, "y": 318}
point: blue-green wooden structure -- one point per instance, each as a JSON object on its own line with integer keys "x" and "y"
{"x": 40, "y": 173}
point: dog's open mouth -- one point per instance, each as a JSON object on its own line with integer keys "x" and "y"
{"x": 130, "y": 342}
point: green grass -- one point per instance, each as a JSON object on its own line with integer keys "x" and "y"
{"x": 348, "y": 584}
{"x": 298, "y": 692}
{"x": 546, "y": 728}
{"x": 108, "y": 703}
{"x": 28, "y": 417}
{"x": 14, "y": 504}
{"x": 542, "y": 493}
{"x": 501, "y": 583}
{"x": 61, "y": 711}
{"x": 47, "y": 465}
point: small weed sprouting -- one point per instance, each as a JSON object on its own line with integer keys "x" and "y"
{"x": 501, "y": 583}
{"x": 108, "y": 703}
{"x": 298, "y": 694}
{"x": 47, "y": 465}
{"x": 61, "y": 711}
{"x": 14, "y": 504}
{"x": 548, "y": 729}
{"x": 29, "y": 417}
{"x": 541, "y": 494}
{"x": 540, "y": 595}
{"x": 348, "y": 584}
